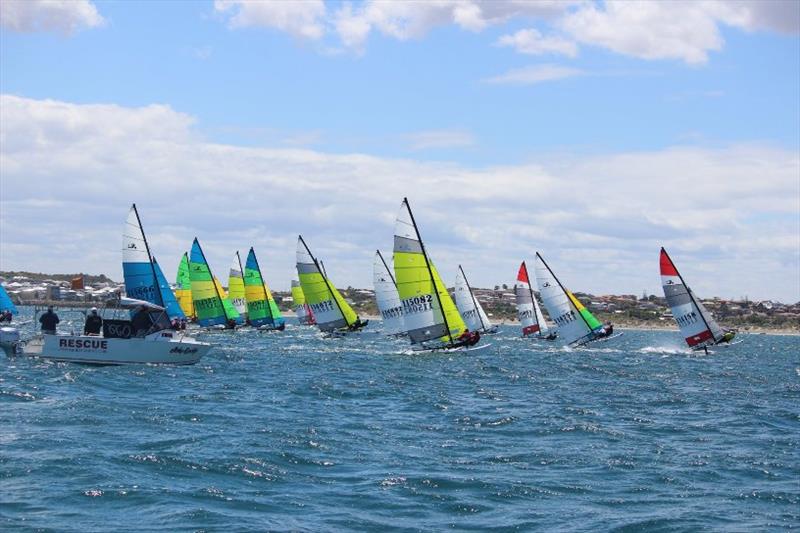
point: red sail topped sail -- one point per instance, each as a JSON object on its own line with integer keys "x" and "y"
{"x": 667, "y": 268}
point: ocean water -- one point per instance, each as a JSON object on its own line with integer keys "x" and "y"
{"x": 290, "y": 431}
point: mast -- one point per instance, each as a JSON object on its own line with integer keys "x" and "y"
{"x": 474, "y": 301}
{"x": 387, "y": 268}
{"x": 563, "y": 289}
{"x": 533, "y": 302}
{"x": 149, "y": 257}
{"x": 691, "y": 294}
{"x": 325, "y": 278}
{"x": 430, "y": 271}
{"x": 269, "y": 310}
{"x": 213, "y": 279}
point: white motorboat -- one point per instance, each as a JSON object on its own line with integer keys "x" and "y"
{"x": 146, "y": 339}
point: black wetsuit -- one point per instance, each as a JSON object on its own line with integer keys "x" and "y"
{"x": 93, "y": 325}
{"x": 49, "y": 321}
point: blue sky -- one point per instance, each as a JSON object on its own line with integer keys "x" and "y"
{"x": 583, "y": 97}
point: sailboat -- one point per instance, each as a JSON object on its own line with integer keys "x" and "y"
{"x": 386, "y": 297}
{"x": 697, "y": 325}
{"x": 211, "y": 306}
{"x": 576, "y": 324}
{"x": 528, "y": 311}
{"x": 147, "y": 336}
{"x": 183, "y": 288}
{"x": 5, "y": 302}
{"x": 470, "y": 308}
{"x": 262, "y": 311}
{"x": 304, "y": 313}
{"x": 333, "y": 314}
{"x": 236, "y": 286}
{"x": 431, "y": 318}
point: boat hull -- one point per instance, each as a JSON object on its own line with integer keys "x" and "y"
{"x": 114, "y": 351}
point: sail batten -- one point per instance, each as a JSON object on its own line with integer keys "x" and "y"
{"x": 528, "y": 311}
{"x": 697, "y": 325}
{"x": 387, "y": 297}
{"x": 468, "y": 305}
{"x": 576, "y": 324}
{"x": 261, "y": 308}
{"x": 330, "y": 309}
{"x": 429, "y": 312}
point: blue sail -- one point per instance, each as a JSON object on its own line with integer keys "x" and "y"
{"x": 5, "y": 302}
{"x": 170, "y": 302}
{"x": 140, "y": 281}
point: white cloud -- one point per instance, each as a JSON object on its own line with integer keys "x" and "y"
{"x": 60, "y": 16}
{"x": 69, "y": 173}
{"x": 535, "y": 74}
{"x": 683, "y": 30}
{"x": 423, "y": 140}
{"x": 532, "y": 42}
{"x": 304, "y": 19}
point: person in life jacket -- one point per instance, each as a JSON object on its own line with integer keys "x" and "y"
{"x": 93, "y": 323}
{"x": 5, "y": 316}
{"x": 230, "y": 324}
{"x": 469, "y": 338}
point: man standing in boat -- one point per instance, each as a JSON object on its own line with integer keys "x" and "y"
{"x": 93, "y": 323}
{"x": 49, "y": 321}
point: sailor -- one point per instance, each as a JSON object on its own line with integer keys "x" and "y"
{"x": 93, "y": 323}
{"x": 609, "y": 327}
{"x": 5, "y": 316}
{"x": 49, "y": 321}
{"x": 230, "y": 324}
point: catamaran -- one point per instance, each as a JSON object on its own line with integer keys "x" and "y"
{"x": 262, "y": 311}
{"x": 470, "y": 308}
{"x": 576, "y": 324}
{"x": 210, "y": 304}
{"x": 236, "y": 287}
{"x": 183, "y": 288}
{"x": 333, "y": 314}
{"x": 528, "y": 311}
{"x": 431, "y": 318}
{"x": 386, "y": 297}
{"x": 697, "y": 325}
{"x": 304, "y": 313}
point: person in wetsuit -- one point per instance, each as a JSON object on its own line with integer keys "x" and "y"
{"x": 49, "y": 321}
{"x": 93, "y": 323}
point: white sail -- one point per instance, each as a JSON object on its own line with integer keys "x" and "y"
{"x": 528, "y": 312}
{"x": 386, "y": 296}
{"x": 697, "y": 325}
{"x": 470, "y": 308}
{"x": 134, "y": 249}
{"x": 562, "y": 309}
{"x": 236, "y": 286}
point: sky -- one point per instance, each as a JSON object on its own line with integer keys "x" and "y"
{"x": 592, "y": 132}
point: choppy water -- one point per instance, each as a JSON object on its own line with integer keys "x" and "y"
{"x": 291, "y": 431}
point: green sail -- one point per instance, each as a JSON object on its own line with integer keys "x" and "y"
{"x": 205, "y": 296}
{"x": 261, "y": 307}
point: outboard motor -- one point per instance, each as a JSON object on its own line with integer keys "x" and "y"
{"x": 9, "y": 341}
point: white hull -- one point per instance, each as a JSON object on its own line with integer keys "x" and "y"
{"x": 156, "y": 348}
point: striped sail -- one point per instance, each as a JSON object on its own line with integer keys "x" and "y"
{"x": 206, "y": 298}
{"x": 5, "y": 302}
{"x": 428, "y": 311}
{"x": 230, "y": 311}
{"x": 386, "y": 296}
{"x": 697, "y": 325}
{"x": 261, "y": 307}
{"x": 183, "y": 287}
{"x": 236, "y": 293}
{"x": 330, "y": 309}
{"x": 528, "y": 312}
{"x": 301, "y": 308}
{"x": 576, "y": 325}
{"x": 470, "y": 308}
{"x": 174, "y": 310}
{"x": 137, "y": 268}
